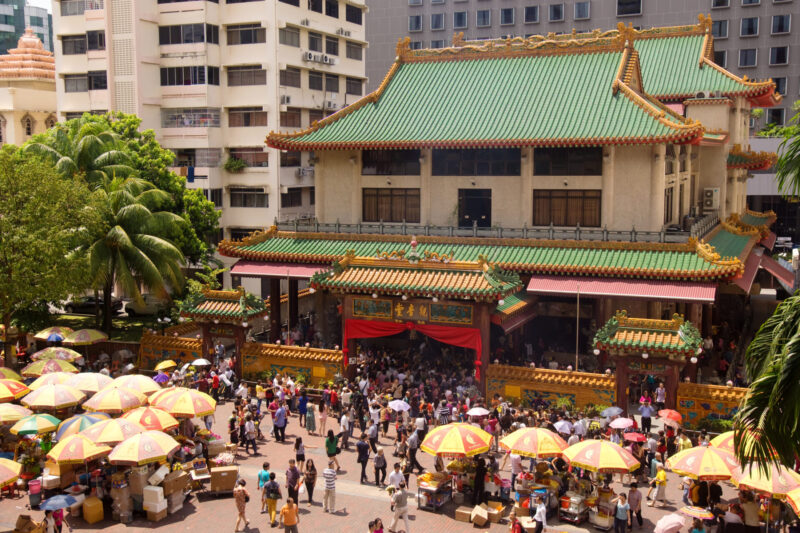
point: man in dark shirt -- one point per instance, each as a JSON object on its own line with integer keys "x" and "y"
{"x": 292, "y": 479}
{"x": 362, "y": 447}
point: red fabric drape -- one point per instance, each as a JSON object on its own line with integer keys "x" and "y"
{"x": 464, "y": 337}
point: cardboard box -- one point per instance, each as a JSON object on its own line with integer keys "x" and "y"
{"x": 157, "y": 517}
{"x": 175, "y": 482}
{"x": 152, "y": 494}
{"x": 51, "y": 482}
{"x": 55, "y": 469}
{"x": 154, "y": 507}
{"x": 496, "y": 510}
{"x": 480, "y": 515}
{"x": 176, "y": 498}
{"x": 527, "y": 523}
{"x": 158, "y": 476}
{"x": 137, "y": 482}
{"x": 216, "y": 447}
{"x": 458, "y": 498}
{"x": 463, "y": 513}
{"x": 172, "y": 509}
{"x": 25, "y": 524}
{"x": 223, "y": 478}
{"x": 93, "y": 510}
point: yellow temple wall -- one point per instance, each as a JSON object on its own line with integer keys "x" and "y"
{"x": 316, "y": 365}
{"x": 155, "y": 348}
{"x": 521, "y": 384}
{"x": 699, "y": 401}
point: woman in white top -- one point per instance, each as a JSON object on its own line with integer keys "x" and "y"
{"x": 539, "y": 515}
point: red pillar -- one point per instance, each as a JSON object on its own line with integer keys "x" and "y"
{"x": 275, "y": 308}
{"x": 207, "y": 343}
{"x": 622, "y": 376}
{"x": 293, "y": 307}
{"x": 484, "y": 324}
{"x": 671, "y": 384}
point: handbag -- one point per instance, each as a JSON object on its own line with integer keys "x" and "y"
{"x": 246, "y": 498}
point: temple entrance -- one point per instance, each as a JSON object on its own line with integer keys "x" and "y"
{"x": 474, "y": 206}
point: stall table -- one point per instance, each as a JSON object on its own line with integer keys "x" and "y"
{"x": 433, "y": 495}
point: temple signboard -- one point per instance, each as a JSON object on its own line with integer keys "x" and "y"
{"x": 422, "y": 311}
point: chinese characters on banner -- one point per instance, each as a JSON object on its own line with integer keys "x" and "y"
{"x": 412, "y": 311}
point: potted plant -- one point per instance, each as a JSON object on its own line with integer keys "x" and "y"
{"x": 234, "y": 165}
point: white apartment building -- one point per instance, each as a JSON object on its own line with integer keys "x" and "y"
{"x": 213, "y": 78}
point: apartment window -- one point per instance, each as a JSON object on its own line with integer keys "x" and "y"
{"x": 749, "y": 27}
{"x": 780, "y": 85}
{"x": 73, "y": 45}
{"x": 582, "y": 10}
{"x": 437, "y": 21}
{"x": 96, "y": 40}
{"x": 751, "y": 2}
{"x": 315, "y": 41}
{"x": 556, "y": 12}
{"x": 246, "y": 117}
{"x": 485, "y": 162}
{"x": 315, "y": 115}
{"x": 748, "y": 57}
{"x": 290, "y": 159}
{"x": 483, "y": 18}
{"x": 715, "y": 4}
{"x": 353, "y": 86}
{"x": 719, "y": 29}
{"x": 215, "y": 196}
{"x": 293, "y": 197}
{"x": 669, "y": 202}
{"x": 290, "y": 77}
{"x": 721, "y": 57}
{"x": 390, "y": 163}
{"x": 315, "y": 5}
{"x": 36, "y": 21}
{"x": 76, "y": 83}
{"x": 531, "y": 14}
{"x": 188, "y": 33}
{"x": 254, "y": 33}
{"x": 415, "y": 45}
{"x": 415, "y": 2}
{"x": 390, "y": 205}
{"x": 197, "y": 157}
{"x": 437, "y": 43}
{"x": 781, "y": 24}
{"x": 507, "y": 16}
{"x": 779, "y": 55}
{"x": 187, "y": 76}
{"x": 332, "y": 8}
{"x": 253, "y": 156}
{"x": 415, "y": 23}
{"x": 567, "y": 161}
{"x": 246, "y": 75}
{"x": 459, "y": 20}
{"x": 332, "y": 83}
{"x": 566, "y": 208}
{"x": 332, "y": 46}
{"x": 295, "y": 3}
{"x": 72, "y": 7}
{"x": 195, "y": 117}
{"x": 248, "y": 197}
{"x": 629, "y": 7}
{"x": 353, "y": 14}
{"x": 776, "y": 115}
{"x": 314, "y": 80}
{"x": 290, "y": 118}
{"x": 312, "y": 196}
{"x": 354, "y": 51}
{"x": 98, "y": 80}
{"x": 71, "y": 115}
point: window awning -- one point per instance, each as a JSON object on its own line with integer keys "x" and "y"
{"x": 258, "y": 269}
{"x": 681, "y": 291}
{"x": 769, "y": 241}
{"x": 781, "y": 273}
{"x": 750, "y": 270}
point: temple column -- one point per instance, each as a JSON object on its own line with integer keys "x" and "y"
{"x": 654, "y": 310}
{"x": 707, "y": 319}
{"x": 484, "y": 324}
{"x": 264, "y": 287}
{"x": 622, "y": 376}
{"x": 694, "y": 314}
{"x": 671, "y": 381}
{"x": 293, "y": 307}
{"x": 207, "y": 343}
{"x": 238, "y": 339}
{"x": 275, "y": 308}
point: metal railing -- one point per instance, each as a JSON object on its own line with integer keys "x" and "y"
{"x": 538, "y": 232}
{"x": 702, "y": 226}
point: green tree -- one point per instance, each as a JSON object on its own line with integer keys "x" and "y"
{"x": 130, "y": 249}
{"x": 788, "y": 166}
{"x": 41, "y": 219}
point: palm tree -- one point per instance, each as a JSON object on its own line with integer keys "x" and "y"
{"x": 129, "y": 249}
{"x": 83, "y": 148}
{"x": 788, "y": 166}
{"x": 770, "y": 411}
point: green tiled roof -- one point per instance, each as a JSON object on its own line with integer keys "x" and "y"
{"x": 513, "y": 302}
{"x": 759, "y": 219}
{"x": 497, "y": 98}
{"x": 729, "y": 244}
{"x": 626, "y": 335}
{"x": 226, "y": 306}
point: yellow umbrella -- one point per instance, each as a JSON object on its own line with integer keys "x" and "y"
{"x": 9, "y": 472}
{"x": 166, "y": 365}
{"x": 793, "y": 499}
{"x": 152, "y": 418}
{"x": 76, "y": 449}
{"x": 53, "y": 397}
{"x": 58, "y": 330}
{"x": 11, "y": 390}
{"x": 137, "y": 382}
{"x": 7, "y": 373}
{"x": 47, "y": 366}
{"x": 724, "y": 441}
{"x": 84, "y": 337}
{"x": 777, "y": 481}
{"x": 56, "y": 352}
{"x": 11, "y": 413}
{"x": 54, "y": 378}
{"x": 144, "y": 448}
{"x": 89, "y": 382}
{"x": 77, "y": 423}
{"x": 115, "y": 400}
{"x": 35, "y": 425}
{"x": 112, "y": 431}
{"x": 181, "y": 402}
{"x": 703, "y": 463}
{"x": 456, "y": 440}
{"x": 601, "y": 456}
{"x": 534, "y": 442}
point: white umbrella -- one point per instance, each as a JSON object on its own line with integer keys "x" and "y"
{"x": 563, "y": 426}
{"x": 399, "y": 405}
{"x": 201, "y": 362}
{"x": 621, "y": 423}
{"x": 671, "y": 523}
{"x": 477, "y": 411}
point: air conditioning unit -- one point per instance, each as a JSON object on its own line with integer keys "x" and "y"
{"x": 326, "y": 59}
{"x": 286, "y": 99}
{"x": 701, "y": 94}
{"x": 710, "y": 198}
{"x": 305, "y": 22}
{"x": 343, "y": 32}
{"x": 331, "y": 105}
{"x": 308, "y": 56}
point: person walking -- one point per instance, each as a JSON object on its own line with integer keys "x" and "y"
{"x": 539, "y": 514}
{"x": 280, "y": 423}
{"x": 363, "y": 456}
{"x": 661, "y": 487}
{"x": 302, "y": 408}
{"x": 400, "y": 506}
{"x": 240, "y": 498}
{"x": 290, "y": 517}
{"x": 300, "y": 453}
{"x": 344, "y": 427}
{"x": 323, "y": 416}
{"x": 621, "y": 513}
{"x": 372, "y": 432}
{"x": 250, "y": 434}
{"x": 293, "y": 476}
{"x": 413, "y": 446}
{"x": 272, "y": 493}
{"x": 647, "y": 412}
{"x": 329, "y": 495}
{"x": 263, "y": 479}
{"x": 310, "y": 479}
{"x": 635, "y": 503}
{"x": 380, "y": 468}
{"x": 311, "y": 419}
{"x": 661, "y": 396}
{"x": 332, "y": 448}
{"x": 396, "y": 476}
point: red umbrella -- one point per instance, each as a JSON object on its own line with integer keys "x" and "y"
{"x": 670, "y": 414}
{"x": 635, "y": 437}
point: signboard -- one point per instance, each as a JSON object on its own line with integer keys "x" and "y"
{"x": 651, "y": 368}
{"x": 451, "y": 314}
{"x": 372, "y": 308}
{"x": 412, "y": 311}
{"x": 221, "y": 331}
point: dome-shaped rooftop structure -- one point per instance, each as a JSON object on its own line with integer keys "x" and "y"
{"x": 28, "y": 60}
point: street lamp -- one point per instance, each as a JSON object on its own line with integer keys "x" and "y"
{"x": 645, "y": 355}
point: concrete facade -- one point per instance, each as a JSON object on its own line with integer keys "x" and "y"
{"x": 390, "y": 20}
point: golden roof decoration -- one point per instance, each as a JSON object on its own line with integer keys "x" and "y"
{"x": 28, "y": 60}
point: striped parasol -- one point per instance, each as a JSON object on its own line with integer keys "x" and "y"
{"x": 89, "y": 383}
{"x": 35, "y": 425}
{"x": 115, "y": 400}
{"x": 56, "y": 352}
{"x": 11, "y": 389}
{"x": 57, "y": 330}
{"x": 703, "y": 463}
{"x": 84, "y": 337}
{"x": 601, "y": 456}
{"x": 53, "y": 397}
{"x": 534, "y": 442}
{"x": 166, "y": 365}
{"x": 181, "y": 402}
{"x": 9, "y": 472}
{"x": 776, "y": 482}
{"x": 725, "y": 441}
{"x": 137, "y": 382}
{"x": 11, "y": 413}
{"x": 696, "y": 512}
{"x": 54, "y": 378}
{"x": 152, "y": 418}
{"x": 75, "y": 424}
{"x": 793, "y": 499}
{"x": 112, "y": 431}
{"x": 7, "y": 373}
{"x": 456, "y": 440}
{"x": 76, "y": 449}
{"x": 39, "y": 368}
{"x": 147, "y": 447}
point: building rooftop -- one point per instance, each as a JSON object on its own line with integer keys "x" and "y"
{"x": 224, "y": 306}
{"x": 28, "y": 60}
{"x": 626, "y": 335}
